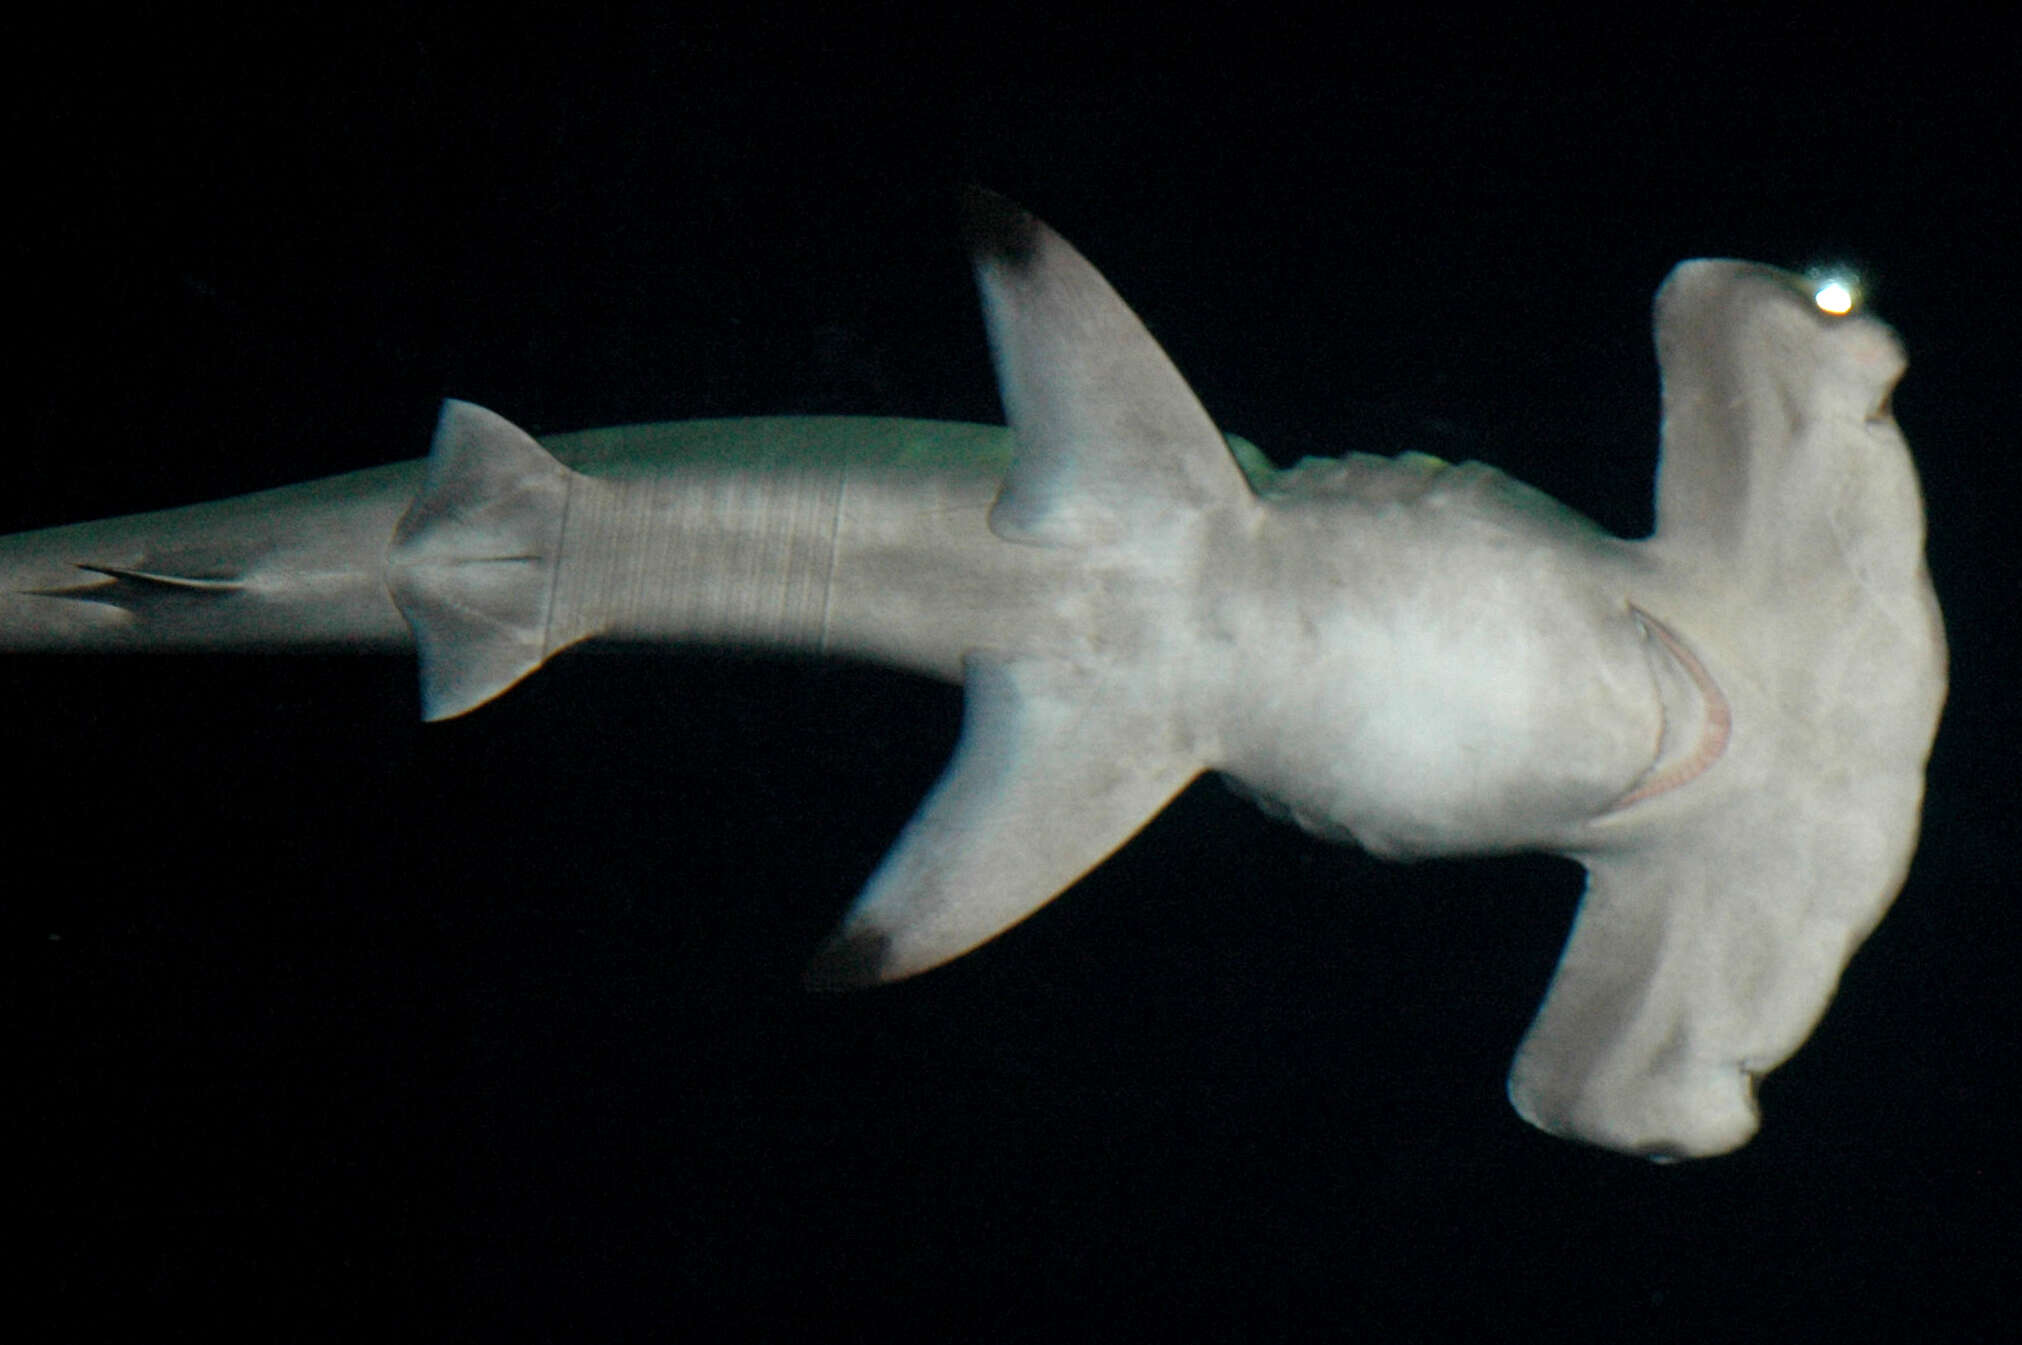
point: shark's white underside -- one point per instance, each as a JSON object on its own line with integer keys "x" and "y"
{"x": 1726, "y": 723}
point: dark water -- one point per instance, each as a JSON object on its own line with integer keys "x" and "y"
{"x": 342, "y": 1028}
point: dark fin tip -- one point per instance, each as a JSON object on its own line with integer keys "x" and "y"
{"x": 851, "y": 960}
{"x": 996, "y": 229}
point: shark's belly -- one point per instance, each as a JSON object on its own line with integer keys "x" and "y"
{"x": 1447, "y": 681}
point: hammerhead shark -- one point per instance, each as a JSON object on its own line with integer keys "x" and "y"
{"x": 1726, "y": 723}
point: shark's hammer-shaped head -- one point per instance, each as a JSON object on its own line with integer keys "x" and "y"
{"x": 1724, "y": 900}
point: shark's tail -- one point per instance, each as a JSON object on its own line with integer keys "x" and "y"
{"x": 297, "y": 567}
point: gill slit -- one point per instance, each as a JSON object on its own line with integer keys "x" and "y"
{"x": 1714, "y": 729}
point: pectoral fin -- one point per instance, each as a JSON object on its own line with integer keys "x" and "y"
{"x": 1055, "y": 769}
{"x": 1112, "y": 443}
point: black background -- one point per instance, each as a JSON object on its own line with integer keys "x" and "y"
{"x": 339, "y": 1027}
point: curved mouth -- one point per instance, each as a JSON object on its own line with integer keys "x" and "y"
{"x": 1697, "y": 719}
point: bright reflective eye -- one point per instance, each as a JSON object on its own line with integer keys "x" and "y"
{"x": 1834, "y": 296}
{"x": 1835, "y": 290}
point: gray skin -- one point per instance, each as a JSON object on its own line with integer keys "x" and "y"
{"x": 1726, "y": 723}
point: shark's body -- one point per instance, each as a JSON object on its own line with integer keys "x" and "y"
{"x": 1727, "y": 723}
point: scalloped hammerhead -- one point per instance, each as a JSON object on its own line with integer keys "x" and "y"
{"x": 1726, "y": 723}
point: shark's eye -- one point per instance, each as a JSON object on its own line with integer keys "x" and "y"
{"x": 1834, "y": 296}
{"x": 1835, "y": 292}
